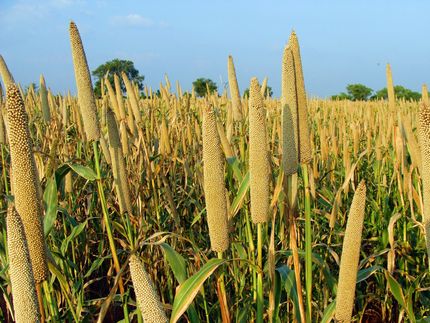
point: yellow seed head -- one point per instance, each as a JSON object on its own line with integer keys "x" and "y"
{"x": 424, "y": 139}
{"x": 264, "y": 87}
{"x": 226, "y": 147}
{"x": 5, "y": 73}
{"x": 146, "y": 295}
{"x": 305, "y": 151}
{"x": 112, "y": 98}
{"x": 289, "y": 114}
{"x": 25, "y": 181}
{"x": 87, "y": 102}
{"x": 21, "y": 274}
{"x": 44, "y": 100}
{"x": 425, "y": 95}
{"x": 118, "y": 164}
{"x": 350, "y": 256}
{"x": 105, "y": 149}
{"x": 132, "y": 98}
{"x": 390, "y": 88}
{"x": 214, "y": 187}
{"x": 119, "y": 99}
{"x": 234, "y": 90}
{"x": 259, "y": 166}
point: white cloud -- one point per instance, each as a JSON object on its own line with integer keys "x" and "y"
{"x": 135, "y": 20}
{"x": 27, "y": 10}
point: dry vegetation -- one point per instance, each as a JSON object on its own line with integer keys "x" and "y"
{"x": 211, "y": 209}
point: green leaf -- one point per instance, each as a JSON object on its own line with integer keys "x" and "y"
{"x": 234, "y": 164}
{"x": 288, "y": 280}
{"x": 329, "y": 313}
{"x": 396, "y": 290}
{"x": 363, "y": 274}
{"x": 84, "y": 171}
{"x": 95, "y": 265}
{"x": 278, "y": 290}
{"x": 243, "y": 316}
{"x": 51, "y": 200}
{"x": 60, "y": 172}
{"x": 178, "y": 266}
{"x": 75, "y": 232}
{"x": 176, "y": 262}
{"x": 241, "y": 193}
{"x": 188, "y": 290}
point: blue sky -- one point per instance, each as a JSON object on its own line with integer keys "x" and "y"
{"x": 341, "y": 41}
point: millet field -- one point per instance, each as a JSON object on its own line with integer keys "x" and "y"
{"x": 164, "y": 206}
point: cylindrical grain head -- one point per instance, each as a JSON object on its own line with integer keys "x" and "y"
{"x": 44, "y": 100}
{"x": 214, "y": 187}
{"x": 390, "y": 88}
{"x": 25, "y": 304}
{"x": 425, "y": 95}
{"x": 305, "y": 151}
{"x": 264, "y": 87}
{"x": 112, "y": 98}
{"x": 259, "y": 166}
{"x": 119, "y": 99}
{"x": 87, "y": 102}
{"x": 5, "y": 73}
{"x": 105, "y": 149}
{"x": 290, "y": 159}
{"x": 118, "y": 164}
{"x": 132, "y": 98}
{"x": 146, "y": 295}
{"x": 165, "y": 148}
{"x": 424, "y": 140}
{"x": 226, "y": 147}
{"x": 26, "y": 186}
{"x": 234, "y": 90}
{"x": 350, "y": 256}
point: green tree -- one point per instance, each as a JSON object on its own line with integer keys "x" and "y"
{"x": 359, "y": 92}
{"x": 117, "y": 66}
{"x": 341, "y": 96}
{"x": 269, "y": 92}
{"x": 400, "y": 92}
{"x": 201, "y": 86}
{"x": 355, "y": 92}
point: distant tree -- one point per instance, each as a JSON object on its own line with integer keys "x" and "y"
{"x": 31, "y": 85}
{"x": 355, "y": 92}
{"x": 201, "y": 86}
{"x": 269, "y": 92}
{"x": 117, "y": 66}
{"x": 341, "y": 96}
{"x": 400, "y": 92}
{"x": 359, "y": 92}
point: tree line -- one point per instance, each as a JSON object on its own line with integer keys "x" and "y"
{"x": 201, "y": 86}
{"x": 360, "y": 92}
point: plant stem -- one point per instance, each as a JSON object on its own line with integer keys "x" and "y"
{"x": 296, "y": 262}
{"x": 51, "y": 303}
{"x": 260, "y": 299}
{"x": 292, "y": 194}
{"x": 223, "y": 297}
{"x": 106, "y": 217}
{"x": 3, "y": 162}
{"x": 40, "y": 301}
{"x": 308, "y": 244}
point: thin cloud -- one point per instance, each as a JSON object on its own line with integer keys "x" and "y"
{"x": 134, "y": 20}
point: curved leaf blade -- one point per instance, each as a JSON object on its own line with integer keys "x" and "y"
{"x": 188, "y": 290}
{"x": 176, "y": 262}
{"x": 84, "y": 171}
